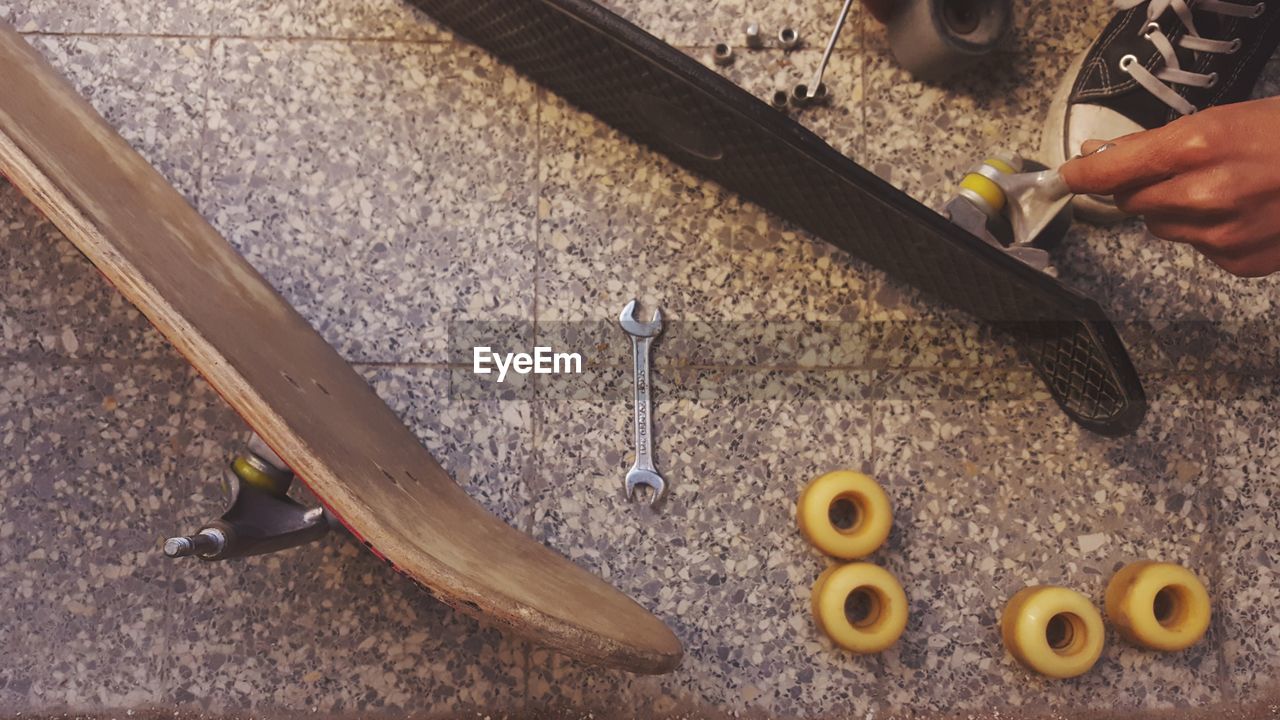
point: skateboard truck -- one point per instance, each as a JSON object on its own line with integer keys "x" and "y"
{"x": 260, "y": 518}
{"x": 1019, "y": 206}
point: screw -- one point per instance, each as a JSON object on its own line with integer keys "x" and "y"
{"x": 722, "y": 54}
{"x": 755, "y": 40}
{"x": 788, "y": 38}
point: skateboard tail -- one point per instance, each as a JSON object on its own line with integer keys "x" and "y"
{"x": 311, "y": 407}
{"x": 657, "y": 95}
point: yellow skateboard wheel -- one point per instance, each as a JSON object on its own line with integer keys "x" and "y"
{"x": 844, "y": 514}
{"x": 1158, "y": 605}
{"x": 860, "y": 606}
{"x": 1052, "y": 630}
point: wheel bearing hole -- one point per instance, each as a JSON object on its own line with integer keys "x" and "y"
{"x": 1064, "y": 633}
{"x": 1166, "y": 606}
{"x": 845, "y": 513}
{"x": 862, "y": 607}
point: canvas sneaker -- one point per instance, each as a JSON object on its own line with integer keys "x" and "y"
{"x": 1156, "y": 61}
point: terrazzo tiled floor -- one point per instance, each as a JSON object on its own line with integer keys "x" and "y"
{"x": 403, "y": 189}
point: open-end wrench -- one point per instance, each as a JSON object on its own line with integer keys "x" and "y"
{"x": 642, "y": 334}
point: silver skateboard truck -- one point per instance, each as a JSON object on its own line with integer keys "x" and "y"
{"x": 1021, "y": 207}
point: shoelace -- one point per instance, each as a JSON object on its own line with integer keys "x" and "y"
{"x": 1158, "y": 83}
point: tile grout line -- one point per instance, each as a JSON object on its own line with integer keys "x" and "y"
{"x": 535, "y": 464}
{"x": 337, "y": 39}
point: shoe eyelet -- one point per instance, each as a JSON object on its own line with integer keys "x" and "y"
{"x": 1213, "y": 80}
{"x": 1126, "y": 61}
{"x": 1235, "y": 46}
{"x": 1151, "y": 29}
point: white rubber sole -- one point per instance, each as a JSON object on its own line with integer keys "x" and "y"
{"x": 1096, "y": 209}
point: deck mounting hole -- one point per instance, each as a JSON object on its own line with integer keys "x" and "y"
{"x": 391, "y": 478}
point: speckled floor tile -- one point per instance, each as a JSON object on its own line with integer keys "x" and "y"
{"x": 1151, "y": 495}
{"x": 88, "y": 483}
{"x": 1182, "y": 311}
{"x": 185, "y": 17}
{"x": 621, "y": 222}
{"x": 1248, "y": 454}
{"x": 54, "y": 302}
{"x": 352, "y": 176}
{"x": 151, "y": 90}
{"x": 988, "y": 499}
{"x": 721, "y": 562}
{"x": 762, "y": 72}
{"x": 328, "y": 626}
{"x": 344, "y": 19}
{"x": 947, "y": 448}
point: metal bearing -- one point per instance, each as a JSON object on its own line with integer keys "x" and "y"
{"x": 788, "y": 38}
{"x": 722, "y": 54}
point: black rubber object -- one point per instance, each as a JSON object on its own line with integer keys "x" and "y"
{"x": 665, "y": 99}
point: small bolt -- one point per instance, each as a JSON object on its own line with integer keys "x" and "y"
{"x": 778, "y": 100}
{"x": 755, "y": 40}
{"x": 722, "y": 54}
{"x": 788, "y": 38}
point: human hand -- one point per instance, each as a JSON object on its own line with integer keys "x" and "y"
{"x": 1211, "y": 180}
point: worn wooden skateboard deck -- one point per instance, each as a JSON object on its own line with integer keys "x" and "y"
{"x": 294, "y": 389}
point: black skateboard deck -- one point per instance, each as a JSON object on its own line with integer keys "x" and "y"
{"x": 668, "y": 101}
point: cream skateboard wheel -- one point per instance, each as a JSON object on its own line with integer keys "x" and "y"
{"x": 1158, "y": 605}
{"x": 860, "y": 606}
{"x": 844, "y": 514}
{"x": 1052, "y": 630}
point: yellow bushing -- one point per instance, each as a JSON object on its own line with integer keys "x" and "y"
{"x": 256, "y": 477}
{"x": 844, "y": 514}
{"x": 860, "y": 606}
{"x": 1158, "y": 605}
{"x": 1052, "y": 630}
{"x": 986, "y": 188}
